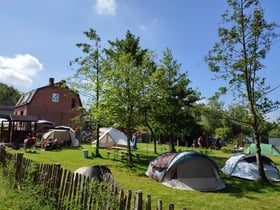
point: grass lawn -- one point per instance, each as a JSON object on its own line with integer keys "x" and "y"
{"x": 238, "y": 194}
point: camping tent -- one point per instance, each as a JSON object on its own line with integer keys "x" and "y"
{"x": 112, "y": 137}
{"x": 98, "y": 172}
{"x": 187, "y": 170}
{"x": 245, "y": 166}
{"x": 266, "y": 149}
{"x": 65, "y": 137}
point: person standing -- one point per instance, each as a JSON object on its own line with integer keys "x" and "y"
{"x": 200, "y": 141}
{"x": 134, "y": 141}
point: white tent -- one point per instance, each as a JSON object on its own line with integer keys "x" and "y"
{"x": 65, "y": 137}
{"x": 245, "y": 167}
{"x": 112, "y": 137}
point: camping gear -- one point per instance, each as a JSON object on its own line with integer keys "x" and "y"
{"x": 64, "y": 136}
{"x": 266, "y": 149}
{"x": 187, "y": 170}
{"x": 112, "y": 137}
{"x": 245, "y": 167}
{"x": 99, "y": 173}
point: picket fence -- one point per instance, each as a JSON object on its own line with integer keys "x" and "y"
{"x": 75, "y": 192}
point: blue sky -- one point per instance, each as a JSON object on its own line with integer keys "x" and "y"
{"x": 38, "y": 37}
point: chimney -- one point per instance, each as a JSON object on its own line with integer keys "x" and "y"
{"x": 51, "y": 81}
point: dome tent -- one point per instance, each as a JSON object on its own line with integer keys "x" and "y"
{"x": 245, "y": 167}
{"x": 187, "y": 170}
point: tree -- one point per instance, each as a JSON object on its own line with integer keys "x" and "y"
{"x": 9, "y": 95}
{"x": 237, "y": 118}
{"x": 125, "y": 69}
{"x": 172, "y": 100}
{"x": 214, "y": 114}
{"x": 238, "y": 57}
{"x": 88, "y": 79}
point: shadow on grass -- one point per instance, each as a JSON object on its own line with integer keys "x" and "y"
{"x": 239, "y": 188}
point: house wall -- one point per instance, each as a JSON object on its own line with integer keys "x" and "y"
{"x": 53, "y": 103}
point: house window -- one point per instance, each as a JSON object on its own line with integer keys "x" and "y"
{"x": 55, "y": 97}
{"x": 73, "y": 103}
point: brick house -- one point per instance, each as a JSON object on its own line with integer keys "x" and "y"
{"x": 54, "y": 102}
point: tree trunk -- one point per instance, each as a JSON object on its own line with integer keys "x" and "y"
{"x": 153, "y": 137}
{"x": 262, "y": 176}
{"x": 171, "y": 146}
{"x": 97, "y": 154}
{"x": 129, "y": 137}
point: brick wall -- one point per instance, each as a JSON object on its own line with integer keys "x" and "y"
{"x": 53, "y": 103}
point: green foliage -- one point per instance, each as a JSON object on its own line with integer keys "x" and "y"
{"x": 223, "y": 132}
{"x": 171, "y": 100}
{"x": 126, "y": 69}
{"x": 127, "y": 89}
{"x": 239, "y": 120}
{"x": 213, "y": 115}
{"x": 9, "y": 95}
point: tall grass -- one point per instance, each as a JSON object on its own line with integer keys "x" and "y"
{"x": 20, "y": 194}
{"x": 238, "y": 194}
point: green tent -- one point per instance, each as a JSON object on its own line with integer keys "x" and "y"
{"x": 266, "y": 149}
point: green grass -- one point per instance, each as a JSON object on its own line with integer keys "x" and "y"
{"x": 238, "y": 194}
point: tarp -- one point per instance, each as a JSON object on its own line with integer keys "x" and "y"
{"x": 266, "y": 149}
{"x": 245, "y": 167}
{"x": 65, "y": 137}
{"x": 187, "y": 170}
{"x": 112, "y": 137}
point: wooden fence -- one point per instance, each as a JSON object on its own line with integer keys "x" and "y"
{"x": 68, "y": 191}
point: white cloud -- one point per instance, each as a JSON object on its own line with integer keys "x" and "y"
{"x": 19, "y": 70}
{"x": 142, "y": 27}
{"x": 151, "y": 26}
{"x": 106, "y": 7}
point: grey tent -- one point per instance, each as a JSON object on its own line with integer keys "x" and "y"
{"x": 187, "y": 170}
{"x": 245, "y": 167}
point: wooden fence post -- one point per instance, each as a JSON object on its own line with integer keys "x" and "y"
{"x": 3, "y": 156}
{"x": 128, "y": 200}
{"x": 159, "y": 205}
{"x": 138, "y": 200}
{"x": 148, "y": 202}
{"x": 171, "y": 206}
{"x": 57, "y": 181}
{"x": 18, "y": 166}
